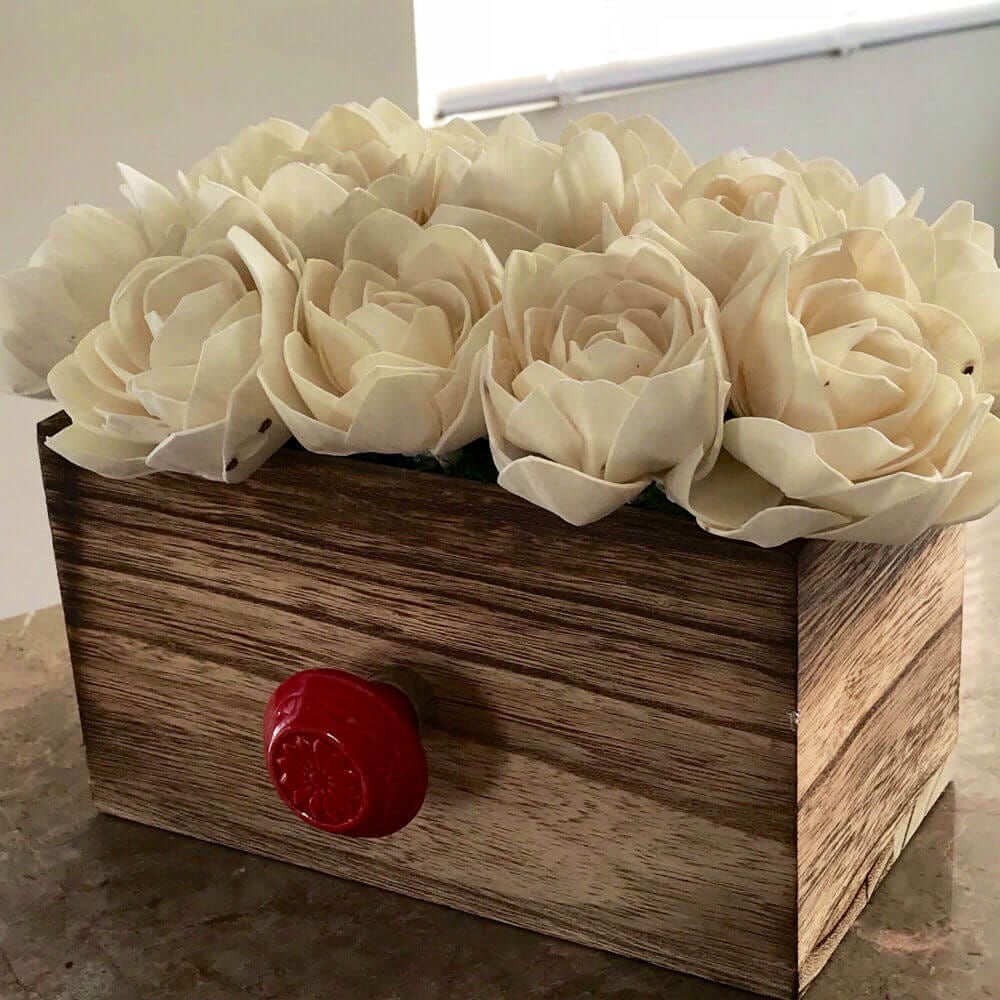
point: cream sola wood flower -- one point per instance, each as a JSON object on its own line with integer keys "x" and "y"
{"x": 520, "y": 192}
{"x": 818, "y": 197}
{"x": 361, "y": 146}
{"x": 385, "y": 350}
{"x": 169, "y": 381}
{"x": 604, "y": 374}
{"x": 66, "y": 291}
{"x": 738, "y": 209}
{"x": 356, "y": 161}
{"x": 47, "y": 307}
{"x": 857, "y": 408}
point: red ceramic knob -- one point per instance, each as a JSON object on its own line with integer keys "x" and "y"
{"x": 345, "y": 753}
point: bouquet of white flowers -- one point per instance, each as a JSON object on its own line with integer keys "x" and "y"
{"x": 784, "y": 352}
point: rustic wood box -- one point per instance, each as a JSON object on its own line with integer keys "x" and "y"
{"x": 648, "y": 739}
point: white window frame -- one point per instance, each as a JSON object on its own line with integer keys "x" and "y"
{"x": 568, "y": 87}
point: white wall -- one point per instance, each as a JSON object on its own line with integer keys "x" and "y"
{"x": 156, "y": 85}
{"x": 926, "y": 112}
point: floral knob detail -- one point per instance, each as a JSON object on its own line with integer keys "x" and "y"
{"x": 344, "y": 753}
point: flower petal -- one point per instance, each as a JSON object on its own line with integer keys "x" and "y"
{"x": 398, "y": 415}
{"x": 276, "y": 285}
{"x": 588, "y": 177}
{"x": 906, "y": 521}
{"x": 570, "y": 494}
{"x": 676, "y": 413}
{"x": 733, "y": 501}
{"x": 92, "y": 249}
{"x": 975, "y": 298}
{"x": 40, "y": 324}
{"x": 982, "y": 492}
{"x": 108, "y": 456}
{"x": 783, "y": 456}
{"x": 159, "y": 211}
{"x": 297, "y": 194}
{"x": 504, "y": 236}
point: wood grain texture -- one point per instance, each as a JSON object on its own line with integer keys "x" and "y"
{"x": 615, "y": 756}
{"x": 881, "y": 858}
{"x": 879, "y": 661}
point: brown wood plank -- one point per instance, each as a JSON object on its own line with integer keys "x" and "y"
{"x": 864, "y": 613}
{"x": 614, "y": 755}
{"x": 880, "y": 654}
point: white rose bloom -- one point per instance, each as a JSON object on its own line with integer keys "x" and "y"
{"x": 604, "y": 374}
{"x": 818, "y": 197}
{"x": 857, "y": 407}
{"x": 168, "y": 382}
{"x": 47, "y": 307}
{"x": 739, "y": 211}
{"x": 521, "y": 192}
{"x": 382, "y": 151}
{"x": 385, "y": 351}
{"x": 356, "y": 161}
{"x": 366, "y": 142}
{"x": 953, "y": 264}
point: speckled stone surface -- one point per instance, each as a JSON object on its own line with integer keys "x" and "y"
{"x": 93, "y": 907}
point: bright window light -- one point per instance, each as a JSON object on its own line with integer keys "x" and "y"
{"x": 484, "y": 54}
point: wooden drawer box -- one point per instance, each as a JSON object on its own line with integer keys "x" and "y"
{"x": 647, "y": 739}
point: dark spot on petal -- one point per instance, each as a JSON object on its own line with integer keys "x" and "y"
{"x": 826, "y": 385}
{"x": 69, "y": 965}
{"x": 264, "y": 426}
{"x": 968, "y": 369}
{"x": 231, "y": 464}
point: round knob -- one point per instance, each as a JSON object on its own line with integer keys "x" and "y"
{"x": 344, "y": 753}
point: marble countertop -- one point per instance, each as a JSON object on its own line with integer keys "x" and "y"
{"x": 93, "y": 907}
